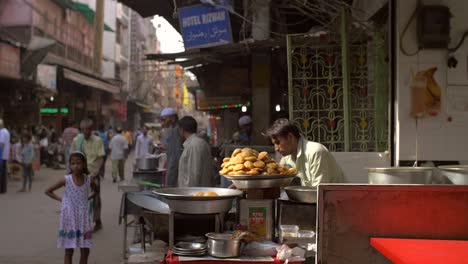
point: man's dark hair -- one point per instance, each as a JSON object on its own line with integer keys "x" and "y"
{"x": 281, "y": 128}
{"x": 188, "y": 124}
{"x": 118, "y": 130}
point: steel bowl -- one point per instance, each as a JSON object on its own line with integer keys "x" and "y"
{"x": 457, "y": 174}
{"x": 260, "y": 181}
{"x": 148, "y": 163}
{"x": 400, "y": 175}
{"x": 302, "y": 194}
{"x": 223, "y": 245}
{"x": 181, "y": 200}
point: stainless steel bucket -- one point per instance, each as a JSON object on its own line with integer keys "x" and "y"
{"x": 223, "y": 245}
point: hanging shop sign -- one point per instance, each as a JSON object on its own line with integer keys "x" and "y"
{"x": 204, "y": 26}
{"x": 9, "y": 61}
{"x": 47, "y": 76}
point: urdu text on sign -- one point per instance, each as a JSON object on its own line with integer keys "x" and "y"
{"x": 204, "y": 26}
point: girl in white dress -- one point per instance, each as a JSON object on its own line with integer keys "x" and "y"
{"x": 75, "y": 229}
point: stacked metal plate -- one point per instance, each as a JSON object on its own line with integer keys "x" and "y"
{"x": 189, "y": 249}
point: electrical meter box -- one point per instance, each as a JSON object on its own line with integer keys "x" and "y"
{"x": 434, "y": 27}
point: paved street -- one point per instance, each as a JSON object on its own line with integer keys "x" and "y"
{"x": 29, "y": 222}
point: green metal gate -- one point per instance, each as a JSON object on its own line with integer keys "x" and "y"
{"x": 338, "y": 89}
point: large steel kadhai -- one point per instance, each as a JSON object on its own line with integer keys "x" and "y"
{"x": 400, "y": 175}
{"x": 260, "y": 181}
{"x": 456, "y": 174}
{"x": 182, "y": 200}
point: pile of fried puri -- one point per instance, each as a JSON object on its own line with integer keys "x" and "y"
{"x": 248, "y": 161}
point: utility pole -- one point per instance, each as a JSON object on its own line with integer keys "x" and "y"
{"x": 261, "y": 71}
{"x": 99, "y": 32}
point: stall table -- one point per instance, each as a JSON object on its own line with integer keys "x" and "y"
{"x": 427, "y": 251}
{"x": 173, "y": 259}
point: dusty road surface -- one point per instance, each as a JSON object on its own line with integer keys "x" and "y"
{"x": 29, "y": 222}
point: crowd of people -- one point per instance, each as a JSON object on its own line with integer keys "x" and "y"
{"x": 188, "y": 162}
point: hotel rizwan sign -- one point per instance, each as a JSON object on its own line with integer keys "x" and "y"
{"x": 204, "y": 26}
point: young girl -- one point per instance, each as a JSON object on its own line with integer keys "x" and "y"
{"x": 75, "y": 223}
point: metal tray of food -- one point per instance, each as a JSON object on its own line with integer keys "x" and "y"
{"x": 182, "y": 200}
{"x": 260, "y": 181}
{"x": 188, "y": 193}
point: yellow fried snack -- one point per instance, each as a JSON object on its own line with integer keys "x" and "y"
{"x": 262, "y": 155}
{"x": 223, "y": 171}
{"x": 237, "y": 160}
{"x": 210, "y": 194}
{"x": 271, "y": 171}
{"x": 292, "y": 170}
{"x": 259, "y": 164}
{"x": 253, "y": 172}
{"x": 198, "y": 194}
{"x": 245, "y": 154}
{"x": 272, "y": 165}
{"x": 251, "y": 158}
{"x": 239, "y": 167}
{"x": 249, "y": 165}
{"x": 231, "y": 167}
{"x": 226, "y": 164}
{"x": 235, "y": 152}
{"x": 226, "y": 160}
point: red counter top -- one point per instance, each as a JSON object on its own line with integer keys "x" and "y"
{"x": 173, "y": 259}
{"x": 427, "y": 251}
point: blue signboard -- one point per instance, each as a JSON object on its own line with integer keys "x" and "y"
{"x": 204, "y": 26}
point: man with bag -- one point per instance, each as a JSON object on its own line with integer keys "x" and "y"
{"x": 92, "y": 146}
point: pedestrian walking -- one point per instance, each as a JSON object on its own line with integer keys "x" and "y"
{"x": 118, "y": 148}
{"x": 104, "y": 135}
{"x": 5, "y": 153}
{"x": 75, "y": 229}
{"x": 68, "y": 135}
{"x": 27, "y": 154}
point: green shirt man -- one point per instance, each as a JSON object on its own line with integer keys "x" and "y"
{"x": 314, "y": 163}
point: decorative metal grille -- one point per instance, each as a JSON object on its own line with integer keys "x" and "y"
{"x": 315, "y": 80}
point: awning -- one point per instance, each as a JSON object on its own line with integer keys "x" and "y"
{"x": 89, "y": 81}
{"x": 217, "y": 54}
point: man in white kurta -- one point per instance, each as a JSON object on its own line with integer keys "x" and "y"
{"x": 314, "y": 163}
{"x": 118, "y": 147}
{"x": 144, "y": 144}
{"x": 195, "y": 164}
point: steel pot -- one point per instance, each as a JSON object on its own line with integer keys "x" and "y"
{"x": 400, "y": 175}
{"x": 457, "y": 175}
{"x": 223, "y": 245}
{"x": 302, "y": 194}
{"x": 148, "y": 163}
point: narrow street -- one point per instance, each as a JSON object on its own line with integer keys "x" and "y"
{"x": 29, "y": 222}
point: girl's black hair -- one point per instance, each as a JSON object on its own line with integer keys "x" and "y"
{"x": 82, "y": 156}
